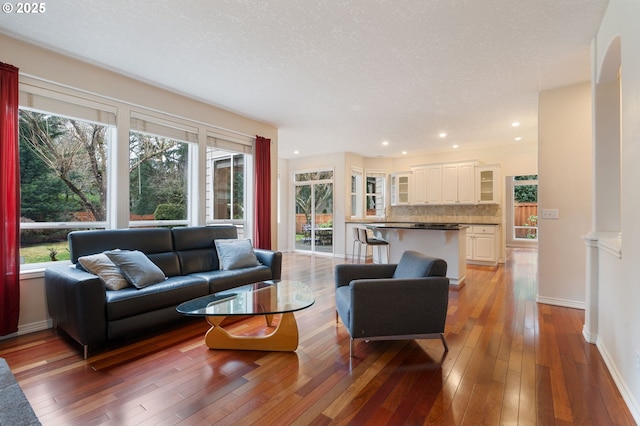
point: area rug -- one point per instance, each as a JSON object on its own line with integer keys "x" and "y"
{"x": 15, "y": 410}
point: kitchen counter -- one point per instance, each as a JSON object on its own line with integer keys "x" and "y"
{"x": 444, "y": 240}
{"x": 418, "y": 225}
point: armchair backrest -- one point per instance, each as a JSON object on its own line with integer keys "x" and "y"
{"x": 414, "y": 264}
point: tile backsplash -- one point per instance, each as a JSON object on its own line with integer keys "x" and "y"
{"x": 481, "y": 213}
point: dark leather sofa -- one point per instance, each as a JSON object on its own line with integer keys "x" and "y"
{"x": 81, "y": 305}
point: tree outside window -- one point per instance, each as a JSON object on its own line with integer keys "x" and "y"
{"x": 63, "y": 175}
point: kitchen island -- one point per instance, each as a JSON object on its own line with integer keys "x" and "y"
{"x": 444, "y": 240}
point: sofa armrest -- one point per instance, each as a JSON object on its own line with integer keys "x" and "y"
{"x": 395, "y": 307}
{"x": 347, "y": 272}
{"x": 272, "y": 259}
{"x": 77, "y": 303}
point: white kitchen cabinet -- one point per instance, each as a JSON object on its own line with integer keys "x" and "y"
{"x": 419, "y": 186}
{"x": 488, "y": 184}
{"x": 482, "y": 244}
{"x": 400, "y": 188}
{"x": 458, "y": 183}
{"x": 427, "y": 185}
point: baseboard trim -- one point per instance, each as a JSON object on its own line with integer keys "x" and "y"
{"x": 589, "y": 337}
{"x": 561, "y": 302}
{"x": 631, "y": 402}
{"x": 30, "y": 328}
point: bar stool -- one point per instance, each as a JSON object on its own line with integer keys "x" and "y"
{"x": 356, "y": 241}
{"x": 365, "y": 240}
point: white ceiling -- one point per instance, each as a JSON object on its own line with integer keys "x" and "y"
{"x": 340, "y": 75}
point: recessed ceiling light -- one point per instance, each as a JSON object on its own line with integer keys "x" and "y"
{"x": 518, "y": 138}
{"x": 455, "y": 146}
{"x": 404, "y": 152}
{"x": 296, "y": 152}
{"x": 385, "y": 143}
{"x": 515, "y": 124}
{"x": 442, "y": 134}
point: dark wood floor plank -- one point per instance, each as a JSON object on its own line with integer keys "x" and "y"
{"x": 511, "y": 361}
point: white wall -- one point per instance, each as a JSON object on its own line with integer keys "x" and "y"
{"x": 614, "y": 285}
{"x": 34, "y": 61}
{"x": 564, "y": 179}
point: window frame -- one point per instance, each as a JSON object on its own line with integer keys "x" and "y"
{"x": 381, "y": 193}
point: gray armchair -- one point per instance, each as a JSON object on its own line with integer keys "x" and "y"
{"x": 408, "y": 300}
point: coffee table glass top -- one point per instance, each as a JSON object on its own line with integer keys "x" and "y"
{"x": 266, "y": 297}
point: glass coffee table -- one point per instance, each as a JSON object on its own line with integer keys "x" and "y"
{"x": 266, "y": 298}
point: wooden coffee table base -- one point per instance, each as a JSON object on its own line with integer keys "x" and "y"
{"x": 284, "y": 338}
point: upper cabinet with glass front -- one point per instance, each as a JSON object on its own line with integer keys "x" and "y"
{"x": 488, "y": 184}
{"x": 400, "y": 188}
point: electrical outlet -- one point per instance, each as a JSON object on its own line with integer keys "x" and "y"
{"x": 550, "y": 213}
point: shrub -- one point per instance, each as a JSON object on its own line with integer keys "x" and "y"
{"x": 170, "y": 212}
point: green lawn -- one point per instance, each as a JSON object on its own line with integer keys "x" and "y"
{"x": 41, "y": 253}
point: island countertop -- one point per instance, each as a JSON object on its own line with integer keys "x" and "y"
{"x": 418, "y": 225}
{"x": 444, "y": 240}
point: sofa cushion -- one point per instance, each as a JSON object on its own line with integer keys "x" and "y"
{"x": 224, "y": 280}
{"x": 235, "y": 254}
{"x": 147, "y": 240}
{"x": 195, "y": 248}
{"x": 171, "y": 292}
{"x": 100, "y": 265}
{"x": 136, "y": 267}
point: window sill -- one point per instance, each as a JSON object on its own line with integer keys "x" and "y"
{"x": 36, "y": 270}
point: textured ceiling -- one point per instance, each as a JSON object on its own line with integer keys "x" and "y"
{"x": 340, "y": 75}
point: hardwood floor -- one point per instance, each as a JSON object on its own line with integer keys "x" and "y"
{"x": 511, "y": 361}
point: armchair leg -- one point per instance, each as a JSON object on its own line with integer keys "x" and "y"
{"x": 444, "y": 342}
{"x": 351, "y": 343}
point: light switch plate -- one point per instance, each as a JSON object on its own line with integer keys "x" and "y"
{"x": 550, "y": 214}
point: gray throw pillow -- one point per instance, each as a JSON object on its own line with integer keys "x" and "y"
{"x": 100, "y": 265}
{"x": 136, "y": 267}
{"x": 235, "y": 254}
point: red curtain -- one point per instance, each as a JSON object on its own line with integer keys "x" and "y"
{"x": 9, "y": 201}
{"x": 262, "y": 217}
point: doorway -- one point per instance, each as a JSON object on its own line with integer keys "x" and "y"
{"x": 522, "y": 211}
{"x": 313, "y": 211}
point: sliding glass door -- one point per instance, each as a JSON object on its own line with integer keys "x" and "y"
{"x": 314, "y": 211}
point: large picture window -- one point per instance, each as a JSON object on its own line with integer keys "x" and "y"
{"x": 159, "y": 170}
{"x": 158, "y": 178}
{"x": 63, "y": 175}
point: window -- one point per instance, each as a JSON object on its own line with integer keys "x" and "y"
{"x": 229, "y": 162}
{"x": 71, "y": 159}
{"x": 159, "y": 170}
{"x": 356, "y": 193}
{"x": 374, "y": 196}
{"x": 226, "y": 185}
{"x": 63, "y": 176}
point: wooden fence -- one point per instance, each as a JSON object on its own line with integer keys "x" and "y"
{"x": 525, "y": 214}
{"x": 320, "y": 218}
